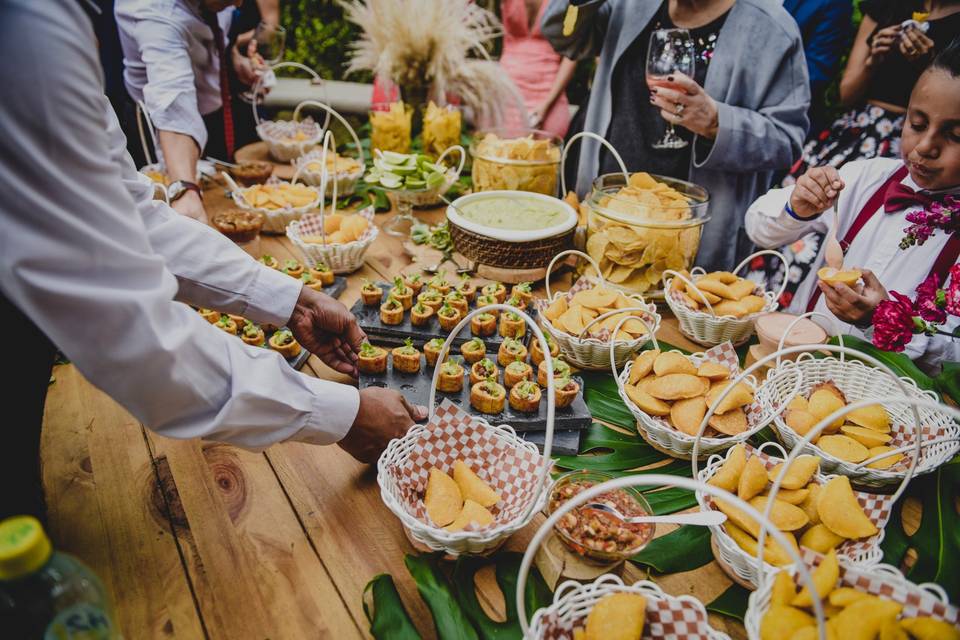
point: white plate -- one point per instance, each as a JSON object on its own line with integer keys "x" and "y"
{"x": 512, "y": 235}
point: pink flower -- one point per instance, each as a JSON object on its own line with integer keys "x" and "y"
{"x": 927, "y": 298}
{"x": 893, "y": 323}
{"x": 953, "y": 291}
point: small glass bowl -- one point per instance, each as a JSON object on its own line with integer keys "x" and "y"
{"x": 629, "y": 501}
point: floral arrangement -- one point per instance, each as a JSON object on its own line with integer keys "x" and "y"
{"x": 925, "y": 222}
{"x": 897, "y": 320}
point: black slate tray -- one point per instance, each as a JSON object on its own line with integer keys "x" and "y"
{"x": 394, "y": 335}
{"x": 339, "y": 286}
{"x": 566, "y": 442}
{"x": 416, "y": 388}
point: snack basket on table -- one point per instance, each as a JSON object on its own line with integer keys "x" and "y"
{"x": 641, "y": 226}
{"x": 866, "y": 513}
{"x": 515, "y": 159}
{"x": 926, "y": 600}
{"x": 341, "y": 257}
{"x": 857, "y": 380}
{"x": 714, "y": 326}
{"x": 580, "y": 238}
{"x": 313, "y": 166}
{"x": 682, "y": 617}
{"x": 269, "y": 199}
{"x": 680, "y": 440}
{"x": 513, "y": 243}
{"x": 513, "y": 467}
{"x": 155, "y": 169}
{"x": 289, "y": 139}
{"x": 588, "y": 352}
{"x": 429, "y": 196}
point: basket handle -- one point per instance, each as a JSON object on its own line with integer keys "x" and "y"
{"x": 689, "y": 283}
{"x": 784, "y": 263}
{"x": 823, "y": 424}
{"x": 551, "y": 392}
{"x": 463, "y": 158}
{"x": 281, "y": 65}
{"x": 893, "y": 452}
{"x": 142, "y": 115}
{"x": 613, "y": 356}
{"x": 601, "y": 140}
{"x": 546, "y": 278}
{"x": 609, "y": 314}
{"x": 329, "y": 142}
{"x": 333, "y": 112}
{"x": 652, "y": 480}
{"x": 810, "y": 314}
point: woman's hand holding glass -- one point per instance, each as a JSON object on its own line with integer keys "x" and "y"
{"x": 685, "y": 103}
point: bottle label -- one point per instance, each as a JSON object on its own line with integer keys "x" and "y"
{"x": 80, "y": 622}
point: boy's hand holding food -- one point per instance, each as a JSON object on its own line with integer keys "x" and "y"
{"x": 816, "y": 191}
{"x": 854, "y": 305}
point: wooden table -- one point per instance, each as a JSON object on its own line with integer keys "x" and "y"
{"x": 200, "y": 540}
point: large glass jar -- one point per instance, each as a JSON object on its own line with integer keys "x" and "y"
{"x": 390, "y": 127}
{"x": 515, "y": 159}
{"x": 638, "y": 229}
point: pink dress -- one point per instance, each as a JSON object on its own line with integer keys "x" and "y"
{"x": 532, "y": 64}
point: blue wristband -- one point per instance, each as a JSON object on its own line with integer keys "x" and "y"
{"x": 793, "y": 214}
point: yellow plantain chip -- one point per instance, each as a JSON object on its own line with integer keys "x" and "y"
{"x": 742, "y": 288}
{"x": 809, "y": 504}
{"x": 883, "y": 463}
{"x": 556, "y": 309}
{"x": 646, "y": 402}
{"x": 472, "y": 513}
{"x": 843, "y": 448}
{"x": 472, "y": 487}
{"x": 800, "y": 420}
{"x": 715, "y": 287}
{"x": 863, "y": 619}
{"x": 740, "y": 396}
{"x": 784, "y": 590}
{"x": 571, "y": 321}
{"x": 872, "y": 417}
{"x": 792, "y": 496}
{"x": 822, "y": 403}
{"x": 753, "y": 480}
{"x": 727, "y": 476}
{"x": 673, "y": 362}
{"x": 800, "y": 403}
{"x": 731, "y": 423}
{"x": 927, "y": 628}
{"x": 595, "y": 298}
{"x": 676, "y": 386}
{"x": 686, "y": 415}
{"x": 753, "y": 304}
{"x": 841, "y": 512}
{"x": 845, "y": 596}
{"x": 782, "y": 622}
{"x": 721, "y": 276}
{"x": 443, "y": 499}
{"x": 733, "y": 308}
{"x": 642, "y": 365}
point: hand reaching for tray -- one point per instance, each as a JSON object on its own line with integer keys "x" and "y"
{"x": 384, "y": 414}
{"x": 328, "y": 330}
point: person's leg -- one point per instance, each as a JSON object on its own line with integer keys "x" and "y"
{"x": 216, "y": 142}
{"x": 29, "y": 362}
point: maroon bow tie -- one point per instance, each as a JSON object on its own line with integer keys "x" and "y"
{"x": 899, "y": 197}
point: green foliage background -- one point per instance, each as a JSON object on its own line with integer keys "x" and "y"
{"x": 319, "y": 36}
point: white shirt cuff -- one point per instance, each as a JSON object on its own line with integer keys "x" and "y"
{"x": 333, "y": 413}
{"x": 272, "y": 296}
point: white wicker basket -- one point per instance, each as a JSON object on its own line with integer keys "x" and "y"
{"x": 708, "y": 329}
{"x": 680, "y": 617}
{"x": 593, "y": 353}
{"x": 674, "y": 442}
{"x": 860, "y": 381}
{"x": 341, "y": 258}
{"x": 275, "y": 221}
{"x": 927, "y": 599}
{"x": 526, "y": 485}
{"x": 744, "y": 567}
{"x": 278, "y": 133}
{"x": 344, "y": 182}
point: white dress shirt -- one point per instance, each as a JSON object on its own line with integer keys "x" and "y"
{"x": 170, "y": 62}
{"x": 876, "y": 247}
{"x": 99, "y": 266}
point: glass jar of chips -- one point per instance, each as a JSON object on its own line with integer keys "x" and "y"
{"x": 390, "y": 125}
{"x": 640, "y": 227}
{"x": 441, "y": 128}
{"x": 516, "y": 159}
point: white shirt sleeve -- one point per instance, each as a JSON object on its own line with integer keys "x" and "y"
{"x": 77, "y": 259}
{"x": 770, "y": 226}
{"x": 170, "y": 92}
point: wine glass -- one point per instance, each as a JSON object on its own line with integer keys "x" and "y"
{"x": 271, "y": 40}
{"x": 671, "y": 51}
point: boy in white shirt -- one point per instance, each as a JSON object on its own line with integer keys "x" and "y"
{"x": 873, "y": 199}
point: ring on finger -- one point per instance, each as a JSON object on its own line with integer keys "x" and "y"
{"x": 679, "y": 109}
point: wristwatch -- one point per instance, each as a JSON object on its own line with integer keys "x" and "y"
{"x": 180, "y": 187}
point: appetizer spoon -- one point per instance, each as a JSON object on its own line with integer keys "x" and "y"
{"x": 223, "y": 163}
{"x": 833, "y": 253}
{"x": 701, "y": 518}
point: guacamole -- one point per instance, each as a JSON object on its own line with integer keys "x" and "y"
{"x": 515, "y": 214}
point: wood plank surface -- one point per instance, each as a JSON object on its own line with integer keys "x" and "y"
{"x": 201, "y": 540}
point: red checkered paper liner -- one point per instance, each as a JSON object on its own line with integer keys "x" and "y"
{"x": 584, "y": 283}
{"x": 723, "y": 354}
{"x": 666, "y": 619}
{"x": 311, "y": 224}
{"x": 453, "y": 434}
{"x": 877, "y": 508}
{"x": 902, "y": 435}
{"x": 916, "y": 602}
{"x": 317, "y": 156}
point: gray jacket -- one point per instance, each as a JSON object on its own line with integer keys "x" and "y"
{"x": 758, "y": 76}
